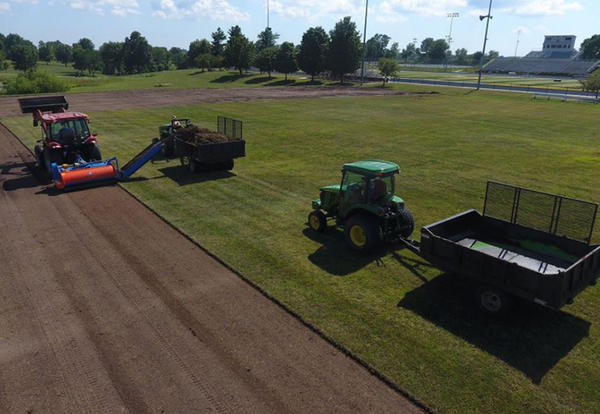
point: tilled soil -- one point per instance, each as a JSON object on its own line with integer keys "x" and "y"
{"x": 115, "y": 100}
{"x": 104, "y": 308}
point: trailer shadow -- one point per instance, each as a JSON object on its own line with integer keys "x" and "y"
{"x": 184, "y": 177}
{"x": 532, "y": 339}
{"x": 335, "y": 257}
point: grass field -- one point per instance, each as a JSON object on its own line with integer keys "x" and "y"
{"x": 176, "y": 79}
{"x": 193, "y": 78}
{"x": 412, "y": 323}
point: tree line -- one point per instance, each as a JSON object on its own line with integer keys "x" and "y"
{"x": 337, "y": 52}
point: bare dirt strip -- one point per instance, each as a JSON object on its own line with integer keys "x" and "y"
{"x": 104, "y": 308}
{"x": 103, "y": 101}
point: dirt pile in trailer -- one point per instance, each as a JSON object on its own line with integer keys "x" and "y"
{"x": 196, "y": 135}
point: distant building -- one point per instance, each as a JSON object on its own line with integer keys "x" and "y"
{"x": 557, "y": 57}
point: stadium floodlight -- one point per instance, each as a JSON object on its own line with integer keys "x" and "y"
{"x": 485, "y": 38}
{"x": 451, "y": 16}
{"x": 364, "y": 54}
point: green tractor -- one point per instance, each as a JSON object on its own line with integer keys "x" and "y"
{"x": 168, "y": 130}
{"x": 364, "y": 205}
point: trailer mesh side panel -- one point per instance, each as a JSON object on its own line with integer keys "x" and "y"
{"x": 551, "y": 213}
{"x": 230, "y": 127}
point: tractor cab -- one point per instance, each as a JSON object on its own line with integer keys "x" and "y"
{"x": 364, "y": 204}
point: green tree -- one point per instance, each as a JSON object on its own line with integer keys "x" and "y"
{"x": 111, "y": 54}
{"x": 265, "y": 60}
{"x": 344, "y": 50}
{"x": 461, "y": 56}
{"x": 204, "y": 61}
{"x": 2, "y": 46}
{"x": 590, "y": 48}
{"x": 10, "y": 43}
{"x": 313, "y": 51}
{"x": 409, "y": 53}
{"x": 387, "y": 68}
{"x": 46, "y": 51}
{"x": 86, "y": 59}
{"x": 266, "y": 38}
{"x": 436, "y": 52}
{"x": 24, "y": 55}
{"x": 426, "y": 46}
{"x": 476, "y": 58}
{"x": 217, "y": 46}
{"x": 393, "y": 52}
{"x": 85, "y": 44}
{"x": 137, "y": 53}
{"x": 376, "y": 46}
{"x": 592, "y": 83}
{"x": 178, "y": 57}
{"x": 238, "y": 50}
{"x": 286, "y": 62}
{"x": 160, "y": 59}
{"x": 64, "y": 53}
{"x": 197, "y": 48}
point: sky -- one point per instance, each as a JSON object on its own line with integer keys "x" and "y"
{"x": 178, "y": 22}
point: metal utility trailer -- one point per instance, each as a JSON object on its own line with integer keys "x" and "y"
{"x": 213, "y": 156}
{"x": 526, "y": 244}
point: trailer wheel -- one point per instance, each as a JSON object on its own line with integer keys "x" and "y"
{"x": 317, "y": 221}
{"x": 362, "y": 232}
{"x": 188, "y": 162}
{"x": 407, "y": 223}
{"x": 493, "y": 301}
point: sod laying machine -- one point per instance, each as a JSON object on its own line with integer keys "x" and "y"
{"x": 69, "y": 154}
{"x": 526, "y": 244}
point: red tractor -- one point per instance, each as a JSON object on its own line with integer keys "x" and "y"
{"x": 66, "y": 136}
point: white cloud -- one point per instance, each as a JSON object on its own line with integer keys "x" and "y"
{"x": 119, "y": 8}
{"x": 212, "y": 9}
{"x": 313, "y": 9}
{"x": 545, "y": 7}
{"x": 4, "y": 7}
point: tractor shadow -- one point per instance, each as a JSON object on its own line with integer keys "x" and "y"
{"x": 532, "y": 339}
{"x": 184, "y": 177}
{"x": 22, "y": 175}
{"x": 335, "y": 257}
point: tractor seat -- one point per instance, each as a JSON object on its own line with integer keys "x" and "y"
{"x": 379, "y": 189}
{"x": 66, "y": 136}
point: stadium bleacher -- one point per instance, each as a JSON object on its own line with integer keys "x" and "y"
{"x": 541, "y": 66}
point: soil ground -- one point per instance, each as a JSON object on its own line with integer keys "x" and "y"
{"x": 106, "y": 308}
{"x": 102, "y": 101}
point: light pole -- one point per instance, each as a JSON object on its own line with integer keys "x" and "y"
{"x": 485, "y": 38}
{"x": 518, "y": 41}
{"x": 452, "y": 16}
{"x": 364, "y": 54}
{"x": 268, "y": 15}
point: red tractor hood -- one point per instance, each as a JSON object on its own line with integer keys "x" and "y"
{"x": 62, "y": 116}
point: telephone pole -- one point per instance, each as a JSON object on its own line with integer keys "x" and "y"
{"x": 485, "y": 38}
{"x": 364, "y": 54}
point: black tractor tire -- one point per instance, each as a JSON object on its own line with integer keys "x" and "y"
{"x": 39, "y": 157}
{"x": 363, "y": 233}
{"x": 51, "y": 157}
{"x": 407, "y": 223}
{"x": 317, "y": 221}
{"x": 93, "y": 153}
{"x": 494, "y": 301}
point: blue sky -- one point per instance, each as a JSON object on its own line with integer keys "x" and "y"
{"x": 178, "y": 22}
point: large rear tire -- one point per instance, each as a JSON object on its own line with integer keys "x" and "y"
{"x": 93, "y": 153}
{"x": 363, "y": 233}
{"x": 51, "y": 157}
{"x": 407, "y": 223}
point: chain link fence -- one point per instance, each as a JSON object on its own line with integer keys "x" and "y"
{"x": 554, "y": 214}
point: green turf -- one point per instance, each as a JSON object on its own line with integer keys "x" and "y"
{"x": 175, "y": 79}
{"x": 413, "y": 324}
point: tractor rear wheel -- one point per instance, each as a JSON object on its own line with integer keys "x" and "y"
{"x": 93, "y": 153}
{"x": 317, "y": 221}
{"x": 363, "y": 233}
{"x": 407, "y": 223}
{"x": 51, "y": 157}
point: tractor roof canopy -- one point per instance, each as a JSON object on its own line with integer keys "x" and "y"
{"x": 372, "y": 167}
{"x": 62, "y": 116}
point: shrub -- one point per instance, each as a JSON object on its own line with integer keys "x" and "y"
{"x": 36, "y": 82}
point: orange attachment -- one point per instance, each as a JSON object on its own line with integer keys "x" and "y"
{"x": 85, "y": 176}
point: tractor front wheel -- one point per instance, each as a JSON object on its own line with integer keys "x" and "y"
{"x": 317, "y": 221}
{"x": 406, "y": 223}
{"x": 363, "y": 233}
